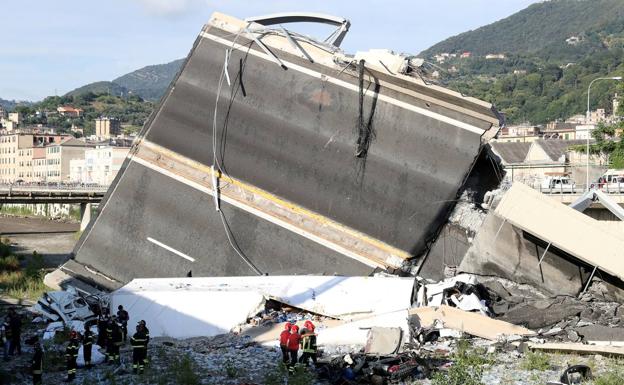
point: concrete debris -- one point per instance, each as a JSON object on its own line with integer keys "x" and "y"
{"x": 459, "y": 291}
{"x": 170, "y": 306}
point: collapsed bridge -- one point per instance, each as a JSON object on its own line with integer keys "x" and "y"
{"x": 273, "y": 153}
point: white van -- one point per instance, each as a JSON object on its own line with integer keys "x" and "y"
{"x": 558, "y": 185}
{"x": 611, "y": 181}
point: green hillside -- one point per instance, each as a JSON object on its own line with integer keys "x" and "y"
{"x": 149, "y": 83}
{"x": 542, "y": 29}
{"x": 542, "y": 77}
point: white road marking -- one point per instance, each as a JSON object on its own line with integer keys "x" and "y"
{"x": 331, "y": 245}
{"x": 352, "y": 87}
{"x": 176, "y": 252}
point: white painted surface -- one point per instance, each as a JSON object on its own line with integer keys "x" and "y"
{"x": 189, "y": 307}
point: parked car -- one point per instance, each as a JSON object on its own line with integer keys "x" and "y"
{"x": 558, "y": 185}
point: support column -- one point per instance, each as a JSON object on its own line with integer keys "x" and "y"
{"x": 85, "y": 215}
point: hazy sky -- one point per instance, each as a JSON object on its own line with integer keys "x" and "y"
{"x": 56, "y": 46}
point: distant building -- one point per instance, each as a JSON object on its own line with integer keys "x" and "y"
{"x": 574, "y": 40}
{"x": 493, "y": 56}
{"x": 106, "y": 128}
{"x": 519, "y": 133}
{"x": 59, "y": 156}
{"x": 2, "y": 113}
{"x": 616, "y": 105}
{"x": 559, "y": 131}
{"x": 100, "y": 165}
{"x": 465, "y": 55}
{"x": 15, "y": 117}
{"x": 69, "y": 111}
{"x": 520, "y": 72}
{"x": 576, "y": 119}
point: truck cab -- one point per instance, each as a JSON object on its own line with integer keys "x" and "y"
{"x": 558, "y": 185}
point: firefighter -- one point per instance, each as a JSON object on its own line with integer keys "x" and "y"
{"x": 308, "y": 346}
{"x": 37, "y": 364}
{"x": 309, "y": 325}
{"x": 5, "y": 330}
{"x": 139, "y": 349}
{"x": 116, "y": 340}
{"x": 109, "y": 342}
{"x": 294, "y": 340}
{"x": 87, "y": 346}
{"x": 102, "y": 324}
{"x": 71, "y": 354}
{"x": 143, "y": 326}
{"x": 284, "y": 341}
{"x": 123, "y": 317}
{"x": 15, "y": 325}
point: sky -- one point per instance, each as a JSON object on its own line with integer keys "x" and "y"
{"x": 51, "y": 47}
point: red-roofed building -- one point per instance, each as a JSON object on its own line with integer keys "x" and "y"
{"x": 69, "y": 111}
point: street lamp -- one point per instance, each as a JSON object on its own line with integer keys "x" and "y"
{"x": 616, "y": 78}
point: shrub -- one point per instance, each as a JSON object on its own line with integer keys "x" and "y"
{"x": 536, "y": 361}
{"x": 184, "y": 371}
{"x": 615, "y": 377}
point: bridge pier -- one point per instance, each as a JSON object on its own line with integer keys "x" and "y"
{"x": 85, "y": 215}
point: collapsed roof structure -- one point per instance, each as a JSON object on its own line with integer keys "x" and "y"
{"x": 273, "y": 153}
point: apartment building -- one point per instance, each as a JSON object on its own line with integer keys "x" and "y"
{"x": 24, "y": 156}
{"x": 107, "y": 127}
{"x": 100, "y": 165}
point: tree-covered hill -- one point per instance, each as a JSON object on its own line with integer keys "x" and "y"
{"x": 542, "y": 30}
{"x": 149, "y": 83}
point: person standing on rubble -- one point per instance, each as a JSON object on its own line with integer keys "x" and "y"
{"x": 284, "y": 341}
{"x": 293, "y": 347}
{"x": 71, "y": 354}
{"x": 116, "y": 340}
{"x": 102, "y": 324}
{"x": 308, "y": 346}
{"x": 36, "y": 366}
{"x": 139, "y": 350}
{"x": 87, "y": 346}
{"x": 145, "y": 330}
{"x": 15, "y": 325}
{"x": 123, "y": 317}
{"x": 5, "y": 333}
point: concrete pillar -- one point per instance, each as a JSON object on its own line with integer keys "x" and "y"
{"x": 85, "y": 215}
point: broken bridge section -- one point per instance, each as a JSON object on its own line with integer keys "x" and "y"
{"x": 270, "y": 134}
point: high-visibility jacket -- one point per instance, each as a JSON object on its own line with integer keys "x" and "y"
{"x": 284, "y": 337}
{"x": 116, "y": 336}
{"x": 308, "y": 343}
{"x": 71, "y": 351}
{"x": 139, "y": 340}
{"x": 87, "y": 341}
{"x": 37, "y": 362}
{"x": 293, "y": 341}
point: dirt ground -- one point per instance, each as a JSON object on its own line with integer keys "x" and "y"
{"x": 53, "y": 239}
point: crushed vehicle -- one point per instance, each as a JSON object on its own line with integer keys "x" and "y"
{"x": 70, "y": 305}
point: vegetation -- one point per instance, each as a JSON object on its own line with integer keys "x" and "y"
{"x": 542, "y": 29}
{"x": 467, "y": 368}
{"x": 613, "y": 377}
{"x": 130, "y": 110}
{"x": 18, "y": 280}
{"x": 536, "y": 361}
{"x": 610, "y": 150}
{"x": 543, "y": 77}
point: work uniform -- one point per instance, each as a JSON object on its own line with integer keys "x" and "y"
{"x": 147, "y": 338}
{"x": 308, "y": 347}
{"x": 71, "y": 354}
{"x": 123, "y": 318}
{"x": 116, "y": 341}
{"x": 37, "y": 365}
{"x": 87, "y": 346}
{"x": 293, "y": 346}
{"x": 5, "y": 330}
{"x": 15, "y": 323}
{"x": 110, "y": 356}
{"x": 139, "y": 350}
{"x": 101, "y": 326}
{"x": 284, "y": 344}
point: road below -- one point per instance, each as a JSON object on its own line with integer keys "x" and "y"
{"x": 53, "y": 239}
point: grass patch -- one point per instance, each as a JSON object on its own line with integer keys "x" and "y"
{"x": 19, "y": 210}
{"x": 185, "y": 371}
{"x": 536, "y": 361}
{"x": 467, "y": 368}
{"x": 18, "y": 282}
{"x": 615, "y": 377}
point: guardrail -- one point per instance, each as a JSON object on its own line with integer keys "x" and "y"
{"x": 611, "y": 188}
{"x": 34, "y": 187}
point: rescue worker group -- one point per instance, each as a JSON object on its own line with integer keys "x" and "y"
{"x": 113, "y": 333}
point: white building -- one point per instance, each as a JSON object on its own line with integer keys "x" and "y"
{"x": 100, "y": 165}
{"x": 583, "y": 131}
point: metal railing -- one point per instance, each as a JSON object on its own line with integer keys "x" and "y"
{"x": 608, "y": 188}
{"x": 52, "y": 186}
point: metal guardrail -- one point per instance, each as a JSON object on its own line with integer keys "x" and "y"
{"x": 610, "y": 188}
{"x": 52, "y": 187}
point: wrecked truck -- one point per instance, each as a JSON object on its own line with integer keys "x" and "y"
{"x": 70, "y": 305}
